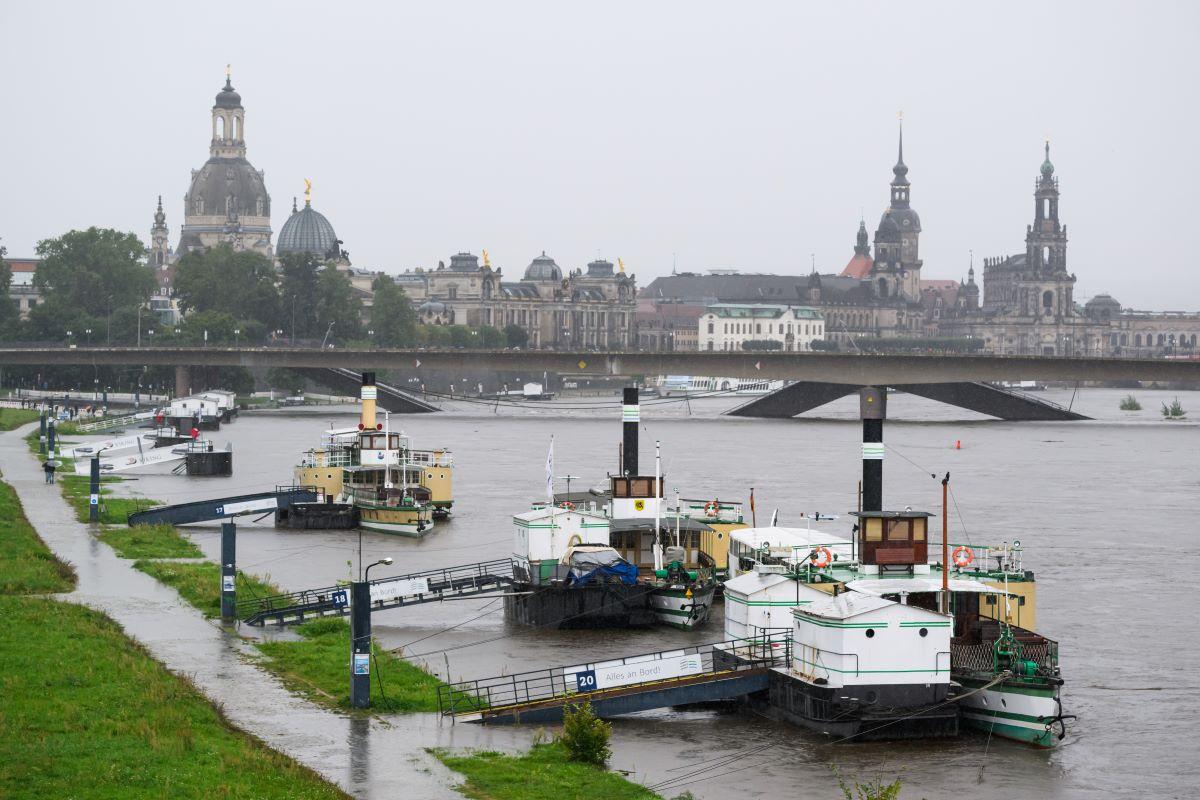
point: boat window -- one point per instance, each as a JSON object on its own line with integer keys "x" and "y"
{"x": 918, "y": 530}
{"x": 870, "y": 633}
{"x": 897, "y": 530}
{"x": 924, "y": 631}
{"x": 874, "y": 530}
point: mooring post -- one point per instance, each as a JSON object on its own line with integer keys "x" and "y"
{"x": 94, "y": 491}
{"x": 360, "y": 644}
{"x": 51, "y": 435}
{"x": 228, "y": 573}
{"x": 42, "y": 432}
{"x": 872, "y": 408}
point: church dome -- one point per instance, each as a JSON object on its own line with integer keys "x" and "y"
{"x": 1102, "y": 306}
{"x": 431, "y": 307}
{"x": 899, "y": 220}
{"x": 600, "y": 269}
{"x": 464, "y": 262}
{"x": 228, "y": 187}
{"x": 227, "y": 97}
{"x": 543, "y": 268}
{"x": 308, "y": 231}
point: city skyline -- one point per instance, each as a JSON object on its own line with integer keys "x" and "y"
{"x": 478, "y": 134}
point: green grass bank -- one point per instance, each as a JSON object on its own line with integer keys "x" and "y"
{"x": 544, "y": 773}
{"x": 318, "y": 667}
{"x": 86, "y": 712}
{"x": 16, "y": 417}
{"x": 149, "y": 541}
{"x": 200, "y": 583}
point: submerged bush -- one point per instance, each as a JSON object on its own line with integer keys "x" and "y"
{"x": 1130, "y": 403}
{"x": 585, "y": 736}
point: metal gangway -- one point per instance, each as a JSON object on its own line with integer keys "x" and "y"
{"x": 695, "y": 674}
{"x": 429, "y": 586}
{"x": 108, "y": 423}
{"x": 224, "y": 507}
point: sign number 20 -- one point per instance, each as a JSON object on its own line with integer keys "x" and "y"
{"x": 585, "y": 681}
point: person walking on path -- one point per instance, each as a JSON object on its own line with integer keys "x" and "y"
{"x": 50, "y": 466}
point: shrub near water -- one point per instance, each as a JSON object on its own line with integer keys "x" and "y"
{"x": 585, "y": 736}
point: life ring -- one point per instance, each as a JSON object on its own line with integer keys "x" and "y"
{"x": 821, "y": 557}
{"x": 567, "y": 504}
{"x": 963, "y": 556}
{"x": 712, "y": 508}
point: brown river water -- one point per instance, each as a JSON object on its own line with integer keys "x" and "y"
{"x": 1106, "y": 510}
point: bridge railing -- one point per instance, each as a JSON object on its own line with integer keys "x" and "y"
{"x": 384, "y": 591}
{"x": 582, "y": 681}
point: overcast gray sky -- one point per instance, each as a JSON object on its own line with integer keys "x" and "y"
{"x": 743, "y": 135}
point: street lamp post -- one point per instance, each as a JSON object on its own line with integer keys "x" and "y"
{"x": 293, "y": 320}
{"x": 237, "y": 337}
{"x": 360, "y": 637}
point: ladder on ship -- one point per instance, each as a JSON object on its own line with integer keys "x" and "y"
{"x": 695, "y": 674}
{"x": 429, "y": 586}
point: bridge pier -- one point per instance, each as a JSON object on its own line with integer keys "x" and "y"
{"x": 183, "y": 380}
{"x": 980, "y": 397}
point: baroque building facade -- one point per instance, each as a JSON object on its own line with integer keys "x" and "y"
{"x": 584, "y": 309}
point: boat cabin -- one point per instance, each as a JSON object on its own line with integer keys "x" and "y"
{"x": 760, "y": 602}
{"x": 636, "y": 497}
{"x": 790, "y": 547}
{"x": 893, "y": 541}
{"x": 544, "y": 535}
{"x": 899, "y": 655}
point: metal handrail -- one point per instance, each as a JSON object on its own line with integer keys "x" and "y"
{"x": 440, "y": 580}
{"x": 559, "y": 683}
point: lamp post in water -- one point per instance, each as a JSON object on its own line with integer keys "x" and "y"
{"x": 360, "y": 638}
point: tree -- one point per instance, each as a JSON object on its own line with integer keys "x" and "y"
{"x": 94, "y": 272}
{"x": 337, "y": 303}
{"x": 392, "y": 315}
{"x": 762, "y": 344}
{"x": 490, "y": 338}
{"x": 298, "y": 290}
{"x": 241, "y": 284}
{"x": 8, "y": 311}
{"x": 585, "y": 736}
{"x": 516, "y": 336}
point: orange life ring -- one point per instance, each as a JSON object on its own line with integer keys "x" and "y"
{"x": 712, "y": 508}
{"x": 567, "y": 504}
{"x": 821, "y": 557}
{"x": 963, "y": 556}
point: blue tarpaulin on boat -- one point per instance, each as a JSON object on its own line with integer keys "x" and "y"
{"x": 598, "y": 565}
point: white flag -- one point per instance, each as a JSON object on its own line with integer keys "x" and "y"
{"x": 550, "y": 473}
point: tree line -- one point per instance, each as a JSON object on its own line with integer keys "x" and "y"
{"x": 96, "y": 286}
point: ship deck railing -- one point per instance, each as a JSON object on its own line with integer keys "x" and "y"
{"x": 504, "y": 695}
{"x": 978, "y": 656}
{"x": 427, "y": 586}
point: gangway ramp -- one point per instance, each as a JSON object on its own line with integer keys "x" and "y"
{"x": 224, "y": 507}
{"x": 696, "y": 674}
{"x": 429, "y": 586}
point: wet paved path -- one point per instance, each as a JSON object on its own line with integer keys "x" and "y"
{"x": 368, "y": 757}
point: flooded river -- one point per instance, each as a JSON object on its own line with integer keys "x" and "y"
{"x": 1107, "y": 512}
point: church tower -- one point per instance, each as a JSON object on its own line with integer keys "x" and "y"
{"x": 227, "y": 201}
{"x": 160, "y": 250}
{"x": 1046, "y": 288}
{"x": 897, "y": 269}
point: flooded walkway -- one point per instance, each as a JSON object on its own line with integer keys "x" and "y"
{"x": 368, "y": 757}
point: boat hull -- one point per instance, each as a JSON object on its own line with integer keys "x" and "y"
{"x": 413, "y": 523}
{"x": 672, "y": 606}
{"x": 591, "y": 606}
{"x": 1017, "y": 710}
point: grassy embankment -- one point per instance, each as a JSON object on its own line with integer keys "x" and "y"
{"x": 544, "y": 773}
{"x": 199, "y": 582}
{"x": 318, "y": 666}
{"x": 16, "y": 417}
{"x": 87, "y": 712}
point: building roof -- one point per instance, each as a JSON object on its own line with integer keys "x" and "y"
{"x": 308, "y": 231}
{"x": 847, "y": 605}
{"x": 600, "y": 269}
{"x": 543, "y": 268}
{"x": 228, "y": 97}
{"x": 859, "y": 267}
{"x": 223, "y": 178}
{"x": 753, "y": 582}
{"x": 464, "y": 262}
{"x": 519, "y": 291}
{"x": 762, "y": 311}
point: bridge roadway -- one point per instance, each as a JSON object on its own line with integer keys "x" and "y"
{"x": 846, "y": 368}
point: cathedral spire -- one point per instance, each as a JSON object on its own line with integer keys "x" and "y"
{"x": 900, "y": 171}
{"x": 862, "y": 246}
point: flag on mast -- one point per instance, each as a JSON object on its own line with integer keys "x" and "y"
{"x": 550, "y": 473}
